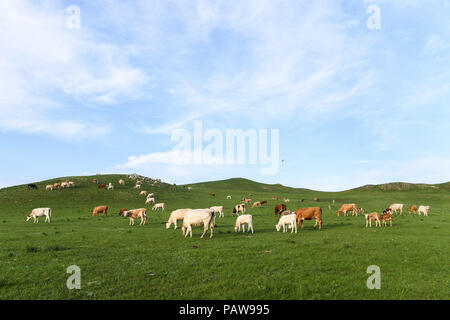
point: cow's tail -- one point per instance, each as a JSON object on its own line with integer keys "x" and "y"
{"x": 49, "y": 212}
{"x": 211, "y": 218}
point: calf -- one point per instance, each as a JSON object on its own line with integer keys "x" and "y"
{"x": 386, "y": 217}
{"x": 136, "y": 213}
{"x": 176, "y": 215}
{"x": 424, "y": 210}
{"x": 279, "y": 208}
{"x": 100, "y": 209}
{"x": 309, "y": 213}
{"x": 412, "y": 209}
{"x": 159, "y": 206}
{"x": 198, "y": 217}
{"x": 40, "y": 212}
{"x": 372, "y": 216}
{"x": 242, "y": 220}
{"x": 287, "y": 220}
{"x": 150, "y": 200}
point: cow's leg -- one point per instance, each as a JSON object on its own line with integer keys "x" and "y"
{"x": 243, "y": 227}
{"x": 302, "y": 224}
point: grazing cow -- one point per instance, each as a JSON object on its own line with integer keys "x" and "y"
{"x": 198, "y": 217}
{"x": 122, "y": 182}
{"x": 57, "y": 185}
{"x": 157, "y": 206}
{"x": 303, "y": 200}
{"x": 372, "y": 216}
{"x": 64, "y": 185}
{"x": 228, "y": 197}
{"x": 309, "y": 213}
{"x": 396, "y": 207}
{"x": 247, "y": 200}
{"x": 137, "y": 186}
{"x": 143, "y": 193}
{"x": 71, "y": 184}
{"x": 100, "y": 209}
{"x": 49, "y": 187}
{"x": 424, "y": 210}
{"x": 256, "y": 204}
{"x": 150, "y": 200}
{"x": 280, "y": 208}
{"x": 189, "y": 188}
{"x": 359, "y": 211}
{"x": 317, "y": 199}
{"x": 110, "y": 186}
{"x": 287, "y": 200}
{"x": 102, "y": 186}
{"x": 176, "y": 215}
{"x": 263, "y": 202}
{"x": 274, "y": 197}
{"x": 40, "y": 212}
{"x": 212, "y": 194}
{"x": 136, "y": 213}
{"x": 150, "y": 195}
{"x": 219, "y": 210}
{"x": 345, "y": 208}
{"x": 287, "y": 220}
{"x": 121, "y": 211}
{"x": 239, "y": 208}
{"x": 94, "y": 181}
{"x": 386, "y": 217}
{"x": 242, "y": 220}
{"x": 413, "y": 209}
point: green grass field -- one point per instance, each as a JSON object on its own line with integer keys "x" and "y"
{"x": 119, "y": 261}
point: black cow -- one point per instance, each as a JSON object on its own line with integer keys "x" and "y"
{"x": 32, "y": 186}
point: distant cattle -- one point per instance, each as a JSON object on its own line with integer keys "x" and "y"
{"x": 309, "y": 213}
{"x": 413, "y": 209}
{"x": 40, "y": 212}
{"x": 286, "y": 200}
{"x": 100, "y": 209}
{"x": 143, "y": 193}
{"x": 150, "y": 200}
{"x": 256, "y": 204}
{"x": 396, "y": 207}
{"x": 372, "y": 216}
{"x": 32, "y": 186}
{"x": 424, "y": 210}
{"x": 49, "y": 187}
{"x": 102, "y": 186}
{"x": 317, "y": 199}
{"x": 110, "y": 186}
{"x": 71, "y": 184}
{"x": 228, "y": 197}
{"x": 345, "y": 208}
{"x": 189, "y": 188}
{"x": 57, "y": 185}
{"x": 279, "y": 208}
{"x": 122, "y": 182}
{"x": 64, "y": 185}
{"x": 212, "y": 194}
{"x": 159, "y": 206}
{"x": 137, "y": 186}
{"x": 94, "y": 181}
{"x": 136, "y": 213}
{"x": 263, "y": 202}
{"x": 239, "y": 208}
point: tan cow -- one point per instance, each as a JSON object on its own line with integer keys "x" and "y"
{"x": 372, "y": 216}
{"x": 345, "y": 208}
{"x": 386, "y": 217}
{"x": 143, "y": 193}
{"x": 256, "y": 204}
{"x": 136, "y": 213}
{"x": 100, "y": 209}
{"x": 413, "y": 209}
{"x": 424, "y": 210}
{"x": 57, "y": 185}
{"x": 309, "y": 213}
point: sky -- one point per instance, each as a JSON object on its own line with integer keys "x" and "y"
{"x": 355, "y": 92}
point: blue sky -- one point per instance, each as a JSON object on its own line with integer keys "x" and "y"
{"x": 353, "y": 105}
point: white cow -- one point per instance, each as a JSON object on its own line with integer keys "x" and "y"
{"x": 239, "y": 208}
{"x": 287, "y": 220}
{"x": 198, "y": 217}
{"x": 49, "y": 187}
{"x": 424, "y": 210}
{"x": 159, "y": 205}
{"x": 110, "y": 186}
{"x": 242, "y": 220}
{"x": 122, "y": 182}
{"x": 64, "y": 185}
{"x": 150, "y": 200}
{"x": 150, "y": 195}
{"x": 219, "y": 210}
{"x": 176, "y": 215}
{"x": 40, "y": 212}
{"x": 228, "y": 197}
{"x": 396, "y": 207}
{"x": 71, "y": 184}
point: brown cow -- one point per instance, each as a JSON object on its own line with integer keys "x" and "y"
{"x": 101, "y": 185}
{"x": 280, "y": 208}
{"x": 263, "y": 202}
{"x": 57, "y": 186}
{"x": 122, "y": 211}
{"x": 413, "y": 209}
{"x": 256, "y": 204}
{"x": 317, "y": 199}
{"x": 100, "y": 209}
{"x": 346, "y": 207}
{"x": 372, "y": 216}
{"x": 94, "y": 181}
{"x": 307, "y": 214}
{"x": 136, "y": 213}
{"x": 386, "y": 217}
{"x": 212, "y": 194}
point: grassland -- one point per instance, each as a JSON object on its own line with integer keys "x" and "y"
{"x": 119, "y": 261}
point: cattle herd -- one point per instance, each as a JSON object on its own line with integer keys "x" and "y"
{"x": 206, "y": 217}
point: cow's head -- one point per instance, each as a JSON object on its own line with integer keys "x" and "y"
{"x": 28, "y": 217}
{"x": 278, "y": 226}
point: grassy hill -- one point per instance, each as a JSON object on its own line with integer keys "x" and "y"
{"x": 119, "y": 261}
